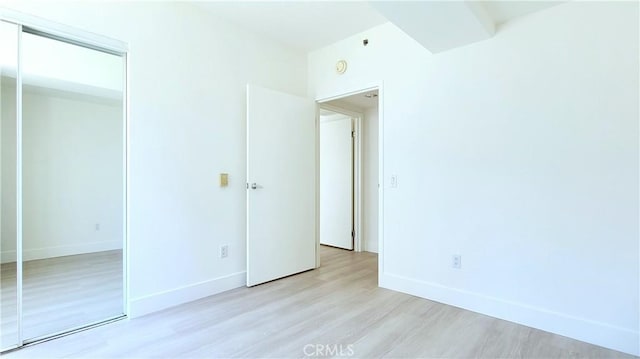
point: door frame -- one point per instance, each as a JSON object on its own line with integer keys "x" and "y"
{"x": 336, "y": 95}
{"x": 356, "y": 167}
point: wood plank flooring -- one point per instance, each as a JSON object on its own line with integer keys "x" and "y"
{"x": 61, "y": 293}
{"x": 334, "y": 311}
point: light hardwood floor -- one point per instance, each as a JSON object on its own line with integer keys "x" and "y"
{"x": 61, "y": 293}
{"x": 338, "y": 304}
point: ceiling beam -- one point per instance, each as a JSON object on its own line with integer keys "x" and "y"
{"x": 439, "y": 25}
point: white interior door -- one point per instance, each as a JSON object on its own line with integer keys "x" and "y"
{"x": 281, "y": 185}
{"x": 336, "y": 182}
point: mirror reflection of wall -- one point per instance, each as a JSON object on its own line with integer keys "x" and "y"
{"x": 8, "y": 255}
{"x": 72, "y": 185}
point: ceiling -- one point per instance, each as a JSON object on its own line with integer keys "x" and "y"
{"x": 503, "y": 11}
{"x": 310, "y": 25}
{"x": 361, "y": 101}
{"x": 304, "y": 25}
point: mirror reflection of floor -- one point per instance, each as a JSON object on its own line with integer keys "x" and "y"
{"x": 62, "y": 293}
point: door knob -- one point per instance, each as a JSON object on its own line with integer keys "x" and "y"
{"x": 255, "y": 186}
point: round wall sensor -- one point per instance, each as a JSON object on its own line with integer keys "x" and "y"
{"x": 341, "y": 67}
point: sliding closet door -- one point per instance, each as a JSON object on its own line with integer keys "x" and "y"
{"x": 72, "y": 185}
{"x": 8, "y": 237}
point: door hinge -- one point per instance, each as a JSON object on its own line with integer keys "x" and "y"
{"x": 353, "y": 134}
{"x": 353, "y": 234}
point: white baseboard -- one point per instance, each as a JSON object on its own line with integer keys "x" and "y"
{"x": 170, "y": 298}
{"x": 371, "y": 247}
{"x": 598, "y": 333}
{"x": 30, "y": 254}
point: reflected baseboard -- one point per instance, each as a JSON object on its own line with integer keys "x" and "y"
{"x": 61, "y": 251}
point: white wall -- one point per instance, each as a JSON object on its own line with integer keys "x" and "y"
{"x": 370, "y": 179}
{"x": 69, "y": 63}
{"x": 188, "y": 72}
{"x": 520, "y": 153}
{"x": 72, "y": 174}
{"x": 8, "y": 169}
{"x": 9, "y": 39}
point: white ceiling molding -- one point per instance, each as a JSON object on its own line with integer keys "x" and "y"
{"x": 439, "y": 25}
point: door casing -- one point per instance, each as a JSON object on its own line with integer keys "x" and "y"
{"x": 322, "y": 102}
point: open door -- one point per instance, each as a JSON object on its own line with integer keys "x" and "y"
{"x": 281, "y": 185}
{"x": 336, "y": 181}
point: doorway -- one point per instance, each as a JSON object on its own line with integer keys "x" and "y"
{"x": 282, "y": 183}
{"x": 348, "y": 141}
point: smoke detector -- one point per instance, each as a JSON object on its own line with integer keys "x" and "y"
{"x": 341, "y": 67}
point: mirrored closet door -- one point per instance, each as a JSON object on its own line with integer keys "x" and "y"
{"x": 63, "y": 185}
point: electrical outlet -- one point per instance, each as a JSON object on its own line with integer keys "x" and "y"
{"x": 456, "y": 261}
{"x": 394, "y": 181}
{"x": 224, "y": 251}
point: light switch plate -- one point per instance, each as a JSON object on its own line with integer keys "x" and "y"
{"x": 224, "y": 179}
